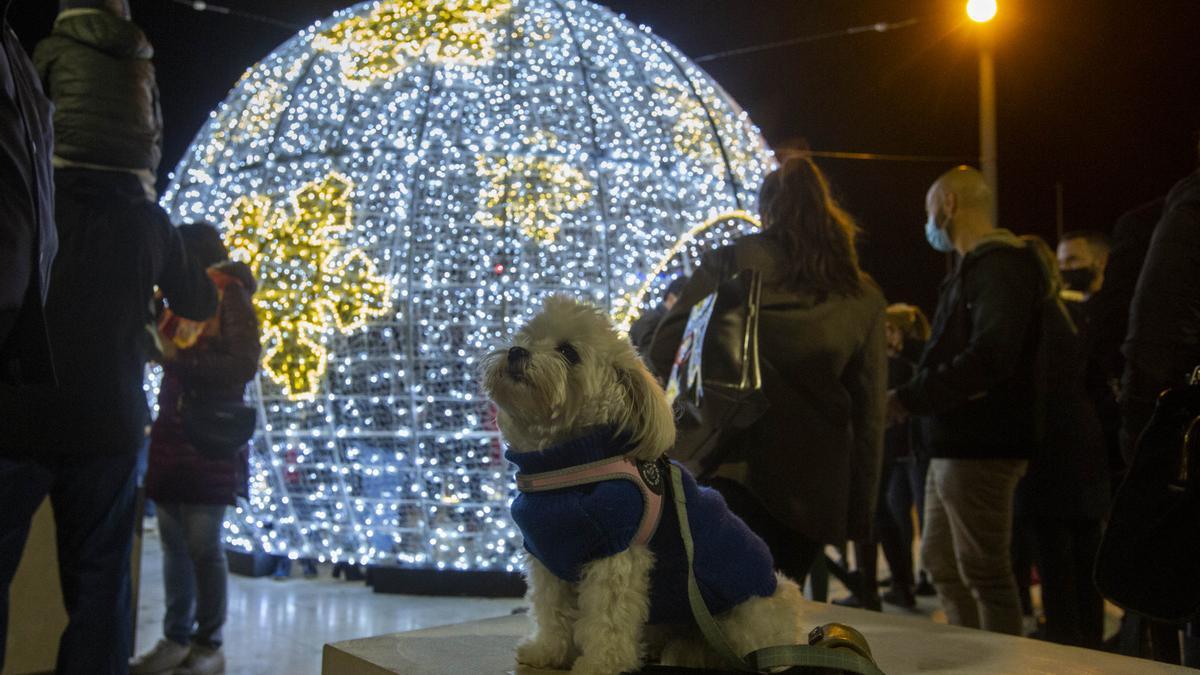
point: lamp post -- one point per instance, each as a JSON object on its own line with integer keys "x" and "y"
{"x": 981, "y": 12}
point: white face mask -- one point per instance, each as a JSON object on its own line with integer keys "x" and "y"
{"x": 937, "y": 237}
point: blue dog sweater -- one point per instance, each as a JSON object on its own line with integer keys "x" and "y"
{"x": 567, "y": 528}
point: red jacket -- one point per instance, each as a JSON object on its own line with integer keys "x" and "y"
{"x": 217, "y": 357}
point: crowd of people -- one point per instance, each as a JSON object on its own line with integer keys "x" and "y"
{"x": 996, "y": 434}
{"x": 1007, "y": 422}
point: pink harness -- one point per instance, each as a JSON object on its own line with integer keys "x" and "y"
{"x": 647, "y": 476}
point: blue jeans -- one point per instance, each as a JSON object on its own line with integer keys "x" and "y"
{"x": 194, "y": 572}
{"x": 93, "y": 499}
{"x": 143, "y": 463}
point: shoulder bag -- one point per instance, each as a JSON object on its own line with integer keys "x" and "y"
{"x": 1149, "y": 559}
{"x": 716, "y": 379}
{"x": 216, "y": 428}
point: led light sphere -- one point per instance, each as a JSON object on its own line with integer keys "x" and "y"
{"x": 408, "y": 179}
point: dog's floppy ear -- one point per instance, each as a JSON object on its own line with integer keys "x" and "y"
{"x": 649, "y": 418}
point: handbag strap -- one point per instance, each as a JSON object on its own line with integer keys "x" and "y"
{"x": 761, "y": 659}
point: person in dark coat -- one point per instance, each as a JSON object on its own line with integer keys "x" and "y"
{"x": 1162, "y": 348}
{"x": 806, "y": 473}
{"x": 1108, "y": 308}
{"x": 1064, "y": 496}
{"x": 889, "y": 533}
{"x": 1163, "y": 345}
{"x": 907, "y": 332}
{"x": 975, "y": 393}
{"x": 1083, "y": 262}
{"x": 28, "y": 239}
{"x": 78, "y": 442}
{"x": 212, "y": 361}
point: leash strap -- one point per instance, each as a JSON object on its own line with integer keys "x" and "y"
{"x": 768, "y": 657}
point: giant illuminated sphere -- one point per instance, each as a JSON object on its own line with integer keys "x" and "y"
{"x": 408, "y": 179}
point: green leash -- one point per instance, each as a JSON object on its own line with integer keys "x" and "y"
{"x": 767, "y": 657}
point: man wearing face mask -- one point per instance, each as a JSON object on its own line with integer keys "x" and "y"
{"x": 1082, "y": 259}
{"x": 974, "y": 392}
{"x": 1082, "y": 263}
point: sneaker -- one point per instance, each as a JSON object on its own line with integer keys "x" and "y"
{"x": 203, "y": 660}
{"x": 165, "y": 655}
{"x": 901, "y": 596}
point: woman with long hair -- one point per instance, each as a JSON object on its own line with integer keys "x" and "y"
{"x": 806, "y": 473}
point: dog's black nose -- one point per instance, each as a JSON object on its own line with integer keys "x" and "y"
{"x": 518, "y": 357}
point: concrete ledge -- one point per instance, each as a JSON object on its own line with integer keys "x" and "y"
{"x": 901, "y": 645}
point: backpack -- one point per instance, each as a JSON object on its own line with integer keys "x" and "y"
{"x": 716, "y": 379}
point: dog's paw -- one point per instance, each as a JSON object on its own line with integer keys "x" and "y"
{"x": 546, "y": 651}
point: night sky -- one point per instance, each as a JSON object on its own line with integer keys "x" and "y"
{"x": 1102, "y": 96}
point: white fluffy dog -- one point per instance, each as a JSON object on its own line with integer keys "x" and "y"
{"x": 604, "y": 597}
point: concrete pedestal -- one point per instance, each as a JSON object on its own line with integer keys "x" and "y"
{"x": 35, "y": 613}
{"x": 900, "y": 644}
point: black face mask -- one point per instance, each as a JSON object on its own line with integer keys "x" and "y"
{"x": 1079, "y": 279}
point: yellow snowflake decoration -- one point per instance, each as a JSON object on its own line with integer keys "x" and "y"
{"x": 531, "y": 191}
{"x": 381, "y": 44}
{"x": 311, "y": 284}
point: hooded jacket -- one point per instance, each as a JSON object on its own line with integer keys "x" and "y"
{"x": 216, "y": 359}
{"x": 975, "y": 386}
{"x": 1163, "y": 344}
{"x": 97, "y": 69}
{"x": 28, "y": 239}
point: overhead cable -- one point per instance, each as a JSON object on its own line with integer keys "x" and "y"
{"x": 878, "y": 27}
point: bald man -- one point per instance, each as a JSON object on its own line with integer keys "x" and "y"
{"x": 974, "y": 394}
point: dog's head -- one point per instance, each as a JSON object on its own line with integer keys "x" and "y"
{"x": 567, "y": 370}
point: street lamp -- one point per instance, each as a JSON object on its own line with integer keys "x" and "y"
{"x": 983, "y": 11}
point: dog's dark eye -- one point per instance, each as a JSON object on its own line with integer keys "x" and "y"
{"x": 568, "y": 352}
